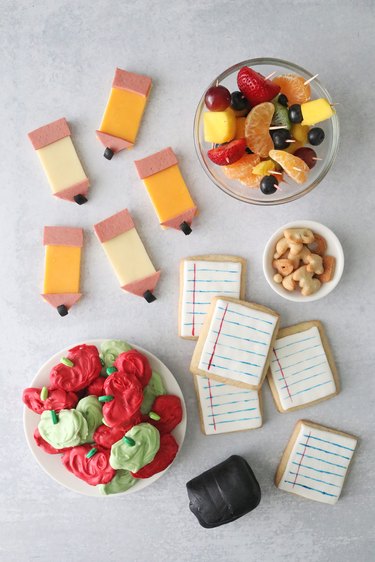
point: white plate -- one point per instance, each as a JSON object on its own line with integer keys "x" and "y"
{"x": 334, "y": 248}
{"x": 52, "y": 463}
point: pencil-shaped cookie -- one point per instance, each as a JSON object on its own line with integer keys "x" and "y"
{"x": 127, "y": 255}
{"x": 62, "y": 266}
{"x": 123, "y": 114}
{"x": 235, "y": 343}
{"x": 167, "y": 190}
{"x": 54, "y": 146}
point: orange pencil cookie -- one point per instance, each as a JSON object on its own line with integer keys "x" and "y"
{"x": 123, "y": 114}
{"x": 62, "y": 266}
{"x": 167, "y": 190}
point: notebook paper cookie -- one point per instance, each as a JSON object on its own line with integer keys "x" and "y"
{"x": 224, "y": 408}
{"x": 315, "y": 462}
{"x": 167, "y": 190}
{"x": 127, "y": 255}
{"x": 302, "y": 369}
{"x": 204, "y": 277}
{"x": 58, "y": 157}
{"x": 63, "y": 249}
{"x": 123, "y": 114}
{"x": 235, "y": 343}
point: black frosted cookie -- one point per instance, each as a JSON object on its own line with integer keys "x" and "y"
{"x": 223, "y": 493}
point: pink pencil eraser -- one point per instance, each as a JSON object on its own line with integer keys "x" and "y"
{"x": 49, "y": 133}
{"x": 137, "y": 83}
{"x": 62, "y": 236}
{"x": 156, "y": 163}
{"x": 114, "y": 226}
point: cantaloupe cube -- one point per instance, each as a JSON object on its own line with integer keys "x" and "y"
{"x": 219, "y": 126}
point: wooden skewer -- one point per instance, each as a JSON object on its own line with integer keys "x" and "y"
{"x": 310, "y": 79}
{"x": 290, "y": 140}
{"x": 313, "y": 158}
{"x": 270, "y": 75}
{"x": 298, "y": 169}
{"x": 277, "y": 173}
{"x": 273, "y": 128}
{"x": 333, "y": 104}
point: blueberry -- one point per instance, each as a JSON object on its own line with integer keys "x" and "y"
{"x": 267, "y": 185}
{"x": 295, "y": 113}
{"x": 315, "y": 136}
{"x": 239, "y": 102}
{"x": 279, "y": 138}
{"x": 283, "y": 100}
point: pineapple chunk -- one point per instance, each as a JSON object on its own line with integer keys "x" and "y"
{"x": 316, "y": 111}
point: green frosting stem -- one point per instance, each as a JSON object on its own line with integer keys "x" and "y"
{"x": 134, "y": 457}
{"x": 122, "y": 481}
{"x": 154, "y": 388}
{"x": 111, "y": 349}
{"x": 91, "y": 409}
{"x": 71, "y": 429}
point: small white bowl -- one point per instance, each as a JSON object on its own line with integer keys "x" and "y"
{"x": 334, "y": 248}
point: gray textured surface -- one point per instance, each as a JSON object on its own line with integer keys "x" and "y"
{"x": 57, "y": 59}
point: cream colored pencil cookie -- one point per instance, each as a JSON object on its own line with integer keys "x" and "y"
{"x": 204, "y": 277}
{"x": 302, "y": 369}
{"x": 235, "y": 343}
{"x": 224, "y": 408}
{"x": 315, "y": 462}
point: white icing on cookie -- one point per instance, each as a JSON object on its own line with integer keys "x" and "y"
{"x": 203, "y": 280}
{"x": 237, "y": 343}
{"x": 318, "y": 464}
{"x": 227, "y": 408}
{"x": 300, "y": 369}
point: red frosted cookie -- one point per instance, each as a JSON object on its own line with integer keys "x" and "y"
{"x": 46, "y": 447}
{"x": 86, "y": 368}
{"x": 57, "y": 400}
{"x": 169, "y": 408}
{"x": 127, "y": 396}
{"x": 94, "y": 470}
{"x": 96, "y": 387}
{"x": 163, "y": 458}
{"x": 106, "y": 436}
{"x": 134, "y": 363}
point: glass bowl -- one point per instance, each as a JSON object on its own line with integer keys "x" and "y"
{"x": 290, "y": 190}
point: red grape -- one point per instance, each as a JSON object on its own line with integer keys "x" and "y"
{"x": 217, "y": 98}
{"x": 306, "y": 154}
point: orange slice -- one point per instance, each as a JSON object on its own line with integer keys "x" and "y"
{"x": 257, "y": 129}
{"x": 242, "y": 170}
{"x": 294, "y": 88}
{"x": 295, "y": 167}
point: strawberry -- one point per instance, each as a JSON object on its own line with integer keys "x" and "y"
{"x": 255, "y": 87}
{"x": 228, "y": 153}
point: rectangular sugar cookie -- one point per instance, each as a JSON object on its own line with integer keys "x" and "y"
{"x": 235, "y": 343}
{"x": 204, "y": 277}
{"x": 123, "y": 114}
{"x": 315, "y": 462}
{"x": 63, "y": 250}
{"x": 57, "y": 154}
{"x": 224, "y": 408}
{"x": 127, "y": 255}
{"x": 302, "y": 369}
{"x": 167, "y": 190}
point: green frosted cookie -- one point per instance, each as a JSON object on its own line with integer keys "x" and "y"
{"x": 122, "y": 481}
{"x": 154, "y": 388}
{"x": 91, "y": 409}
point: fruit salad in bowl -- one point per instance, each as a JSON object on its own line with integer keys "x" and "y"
{"x": 266, "y": 131}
